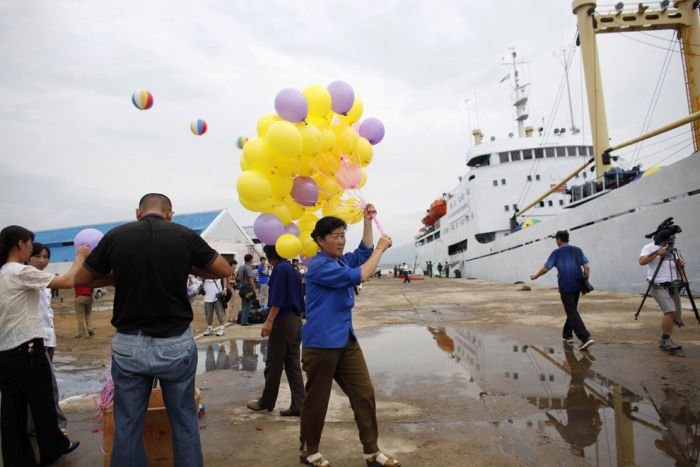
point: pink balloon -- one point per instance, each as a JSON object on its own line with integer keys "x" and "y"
{"x": 305, "y": 191}
{"x": 349, "y": 175}
{"x": 87, "y": 237}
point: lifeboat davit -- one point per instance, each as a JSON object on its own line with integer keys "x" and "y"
{"x": 438, "y": 208}
{"x": 428, "y": 220}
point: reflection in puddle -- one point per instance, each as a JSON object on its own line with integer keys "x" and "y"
{"x": 600, "y": 419}
{"x": 234, "y": 354}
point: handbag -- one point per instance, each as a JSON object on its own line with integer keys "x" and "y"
{"x": 586, "y": 286}
{"x": 246, "y": 291}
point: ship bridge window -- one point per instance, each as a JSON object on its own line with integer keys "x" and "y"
{"x": 507, "y": 208}
{"x": 561, "y": 202}
{"x": 529, "y": 178}
{"x": 539, "y": 153}
{"x": 486, "y": 237}
{"x": 550, "y": 203}
{"x": 537, "y": 177}
{"x": 477, "y": 161}
{"x": 495, "y": 183}
{"x": 527, "y": 154}
{"x": 515, "y": 156}
{"x": 561, "y": 151}
{"x": 503, "y": 157}
{"x": 457, "y": 247}
{"x": 572, "y": 151}
{"x": 549, "y": 152}
{"x": 582, "y": 151}
{"x": 541, "y": 204}
{"x": 503, "y": 181}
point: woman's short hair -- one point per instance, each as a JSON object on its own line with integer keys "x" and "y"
{"x": 271, "y": 253}
{"x": 37, "y": 248}
{"x": 326, "y": 225}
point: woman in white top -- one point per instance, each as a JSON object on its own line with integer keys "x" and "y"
{"x": 40, "y": 257}
{"x": 25, "y": 370}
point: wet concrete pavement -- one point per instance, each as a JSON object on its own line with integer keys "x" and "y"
{"x": 465, "y": 372}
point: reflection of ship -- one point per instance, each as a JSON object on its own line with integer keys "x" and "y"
{"x": 497, "y": 228}
{"x": 598, "y": 418}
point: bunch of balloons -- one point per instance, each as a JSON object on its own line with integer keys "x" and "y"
{"x": 311, "y": 154}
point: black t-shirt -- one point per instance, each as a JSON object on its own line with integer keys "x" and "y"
{"x": 150, "y": 260}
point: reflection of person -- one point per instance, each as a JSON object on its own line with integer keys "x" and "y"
{"x": 83, "y": 312}
{"x": 148, "y": 261}
{"x": 209, "y": 363}
{"x": 663, "y": 290}
{"x": 569, "y": 260}
{"x": 583, "y": 420}
{"x": 25, "y": 369}
{"x": 283, "y": 325}
{"x": 330, "y": 348}
{"x": 222, "y": 360}
{"x": 246, "y": 275}
{"x": 249, "y": 359}
{"x": 41, "y": 254}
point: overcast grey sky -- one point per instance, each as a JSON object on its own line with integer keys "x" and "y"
{"x": 75, "y": 151}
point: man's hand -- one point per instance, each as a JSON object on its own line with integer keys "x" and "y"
{"x": 266, "y": 328}
{"x": 533, "y": 277}
{"x": 384, "y": 243}
{"x": 370, "y": 211}
{"x": 662, "y": 251}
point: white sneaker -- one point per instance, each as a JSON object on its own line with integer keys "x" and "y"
{"x": 586, "y": 344}
{"x": 209, "y": 331}
{"x": 220, "y": 331}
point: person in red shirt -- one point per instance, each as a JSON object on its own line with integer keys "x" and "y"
{"x": 83, "y": 312}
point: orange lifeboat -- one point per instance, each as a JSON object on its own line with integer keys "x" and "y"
{"x": 438, "y": 208}
{"x": 428, "y": 220}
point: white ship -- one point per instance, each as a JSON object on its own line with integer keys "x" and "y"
{"x": 517, "y": 192}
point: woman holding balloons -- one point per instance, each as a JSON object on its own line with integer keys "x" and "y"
{"x": 25, "y": 370}
{"x": 330, "y": 348}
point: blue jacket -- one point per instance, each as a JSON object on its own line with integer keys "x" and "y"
{"x": 330, "y": 298}
{"x": 568, "y": 260}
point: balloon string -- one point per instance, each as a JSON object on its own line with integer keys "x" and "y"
{"x": 376, "y": 222}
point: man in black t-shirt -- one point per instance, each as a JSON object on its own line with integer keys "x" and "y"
{"x": 148, "y": 261}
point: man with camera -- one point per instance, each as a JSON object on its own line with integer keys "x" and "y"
{"x": 663, "y": 262}
{"x": 569, "y": 260}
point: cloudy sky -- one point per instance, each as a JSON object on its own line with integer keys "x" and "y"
{"x": 75, "y": 151}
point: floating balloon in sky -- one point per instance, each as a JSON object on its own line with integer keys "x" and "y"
{"x": 142, "y": 99}
{"x": 342, "y": 96}
{"x": 198, "y": 127}
{"x": 372, "y": 129}
{"x": 87, "y": 237}
{"x": 240, "y": 142}
{"x": 291, "y": 105}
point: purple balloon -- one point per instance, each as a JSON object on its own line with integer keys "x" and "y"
{"x": 267, "y": 228}
{"x": 292, "y": 229}
{"x": 342, "y": 96}
{"x": 305, "y": 191}
{"x": 291, "y": 105}
{"x": 87, "y": 237}
{"x": 372, "y": 130}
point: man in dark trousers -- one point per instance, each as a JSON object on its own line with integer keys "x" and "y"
{"x": 148, "y": 262}
{"x": 569, "y": 260}
{"x": 283, "y": 325}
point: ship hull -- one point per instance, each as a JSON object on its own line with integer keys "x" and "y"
{"x": 610, "y": 229}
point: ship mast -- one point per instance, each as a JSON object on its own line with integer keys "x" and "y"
{"x": 520, "y": 102}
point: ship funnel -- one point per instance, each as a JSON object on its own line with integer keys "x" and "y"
{"x": 528, "y": 131}
{"x": 478, "y": 136}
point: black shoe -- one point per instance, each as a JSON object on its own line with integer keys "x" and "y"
{"x": 72, "y": 447}
{"x": 290, "y": 413}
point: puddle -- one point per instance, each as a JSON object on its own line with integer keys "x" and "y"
{"x": 598, "y": 418}
{"x": 74, "y": 380}
{"x": 233, "y": 354}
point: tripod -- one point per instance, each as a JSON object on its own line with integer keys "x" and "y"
{"x": 672, "y": 255}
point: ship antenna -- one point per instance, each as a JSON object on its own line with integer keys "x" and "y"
{"x": 565, "y": 57}
{"x": 520, "y": 102}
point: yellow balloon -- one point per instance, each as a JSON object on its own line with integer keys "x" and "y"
{"x": 362, "y": 150}
{"x": 261, "y": 206}
{"x": 345, "y": 137}
{"x": 307, "y": 222}
{"x": 327, "y": 186}
{"x": 257, "y": 155}
{"x": 308, "y": 246}
{"x": 244, "y": 164}
{"x": 328, "y": 163}
{"x": 253, "y": 186}
{"x": 284, "y": 138}
{"x": 364, "y": 178}
{"x": 288, "y": 246}
{"x": 295, "y": 209}
{"x": 282, "y": 212}
{"x": 319, "y": 100}
{"x": 354, "y": 113}
{"x": 311, "y": 139}
{"x": 328, "y": 139}
{"x": 345, "y": 209}
{"x": 265, "y": 121}
{"x": 281, "y": 185}
{"x": 308, "y": 166}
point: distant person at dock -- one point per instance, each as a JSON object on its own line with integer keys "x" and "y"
{"x": 569, "y": 261}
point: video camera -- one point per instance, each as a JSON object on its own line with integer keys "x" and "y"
{"x": 664, "y": 232}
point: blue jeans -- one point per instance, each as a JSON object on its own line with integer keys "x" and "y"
{"x": 136, "y": 361}
{"x": 246, "y": 306}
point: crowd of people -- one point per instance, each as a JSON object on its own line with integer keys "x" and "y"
{"x": 308, "y": 325}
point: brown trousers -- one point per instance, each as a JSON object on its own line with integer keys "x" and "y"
{"x": 83, "y": 313}
{"x": 348, "y": 368}
{"x": 283, "y": 353}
